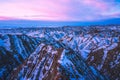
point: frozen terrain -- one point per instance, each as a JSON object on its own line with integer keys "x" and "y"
{"x": 62, "y": 53}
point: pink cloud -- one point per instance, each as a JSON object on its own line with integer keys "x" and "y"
{"x": 112, "y": 14}
{"x": 45, "y": 10}
{"x": 62, "y": 10}
{"x": 99, "y": 4}
{"x": 6, "y": 18}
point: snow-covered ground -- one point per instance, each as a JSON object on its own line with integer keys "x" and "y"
{"x": 97, "y": 48}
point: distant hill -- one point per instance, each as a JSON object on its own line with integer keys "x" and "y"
{"x": 38, "y": 23}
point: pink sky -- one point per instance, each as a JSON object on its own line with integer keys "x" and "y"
{"x": 59, "y": 10}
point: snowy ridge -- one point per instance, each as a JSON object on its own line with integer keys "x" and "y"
{"x": 40, "y": 65}
{"x": 14, "y": 49}
{"x": 94, "y": 44}
{"x": 53, "y": 62}
{"x": 68, "y": 53}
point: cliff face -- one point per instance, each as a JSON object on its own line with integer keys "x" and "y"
{"x": 53, "y": 60}
{"x": 68, "y": 53}
{"x": 41, "y": 65}
{"x": 106, "y": 61}
{"x": 14, "y": 49}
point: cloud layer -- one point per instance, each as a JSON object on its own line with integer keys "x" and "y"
{"x": 60, "y": 10}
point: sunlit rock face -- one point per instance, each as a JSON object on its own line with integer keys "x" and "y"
{"x": 65, "y": 53}
{"x": 14, "y": 49}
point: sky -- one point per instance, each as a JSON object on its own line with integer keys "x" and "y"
{"x": 59, "y": 10}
